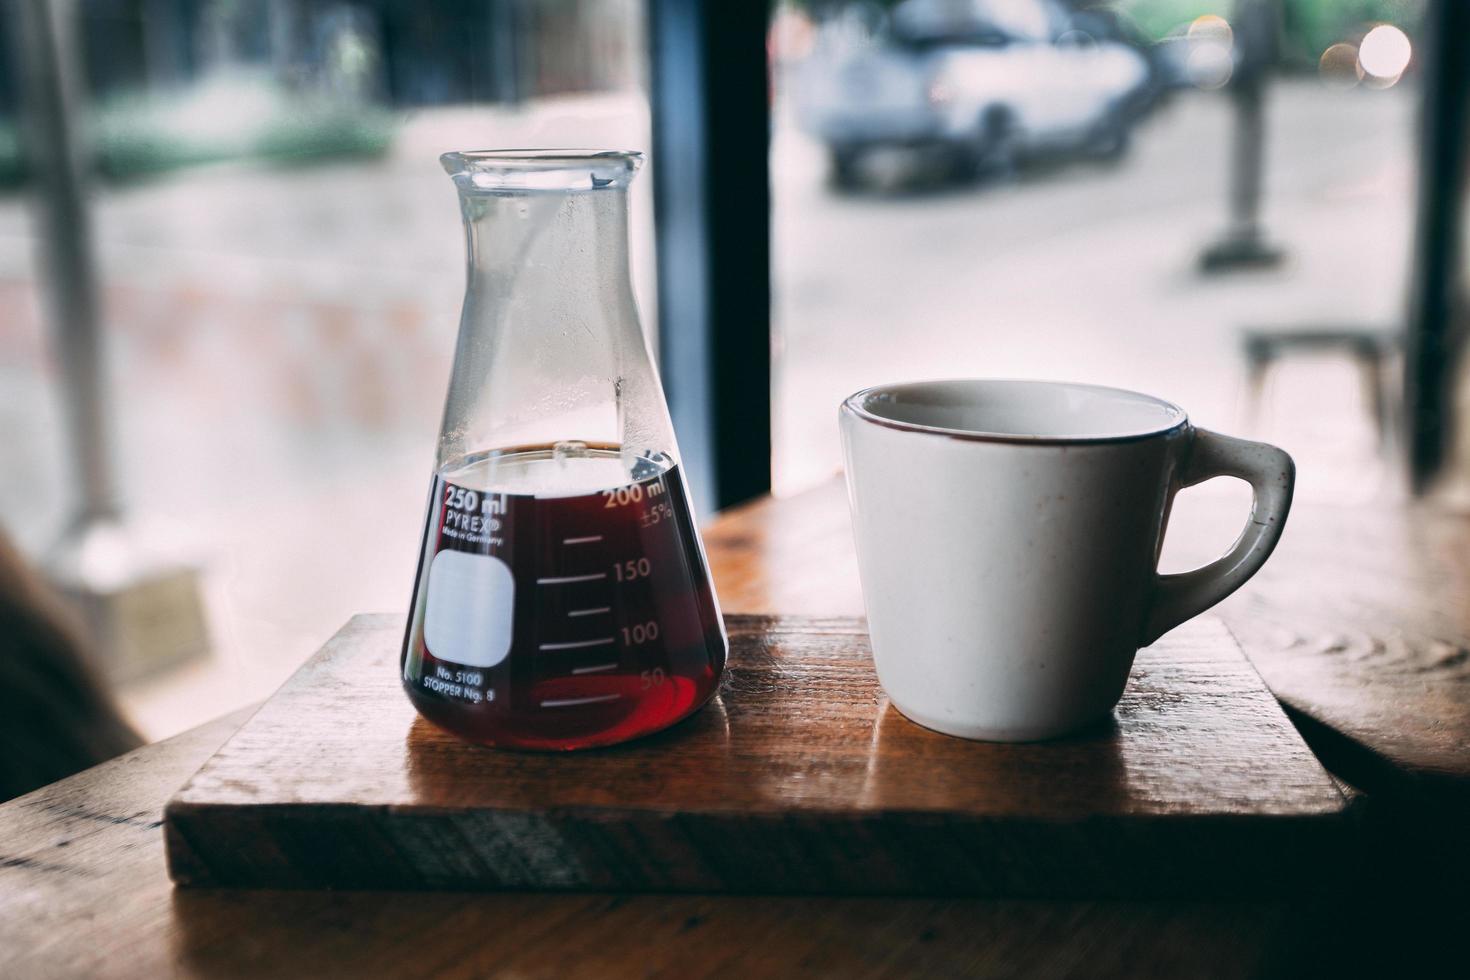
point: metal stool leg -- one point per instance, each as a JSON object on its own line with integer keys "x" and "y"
{"x": 1257, "y": 362}
{"x": 1370, "y": 371}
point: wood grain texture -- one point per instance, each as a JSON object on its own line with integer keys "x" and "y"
{"x": 84, "y": 893}
{"x": 798, "y": 778}
{"x": 1359, "y": 623}
{"x": 1362, "y": 625}
{"x": 77, "y": 856}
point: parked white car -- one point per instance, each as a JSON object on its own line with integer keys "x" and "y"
{"x": 985, "y": 81}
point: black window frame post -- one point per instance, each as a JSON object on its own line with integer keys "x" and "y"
{"x": 1435, "y": 341}
{"x": 711, "y": 130}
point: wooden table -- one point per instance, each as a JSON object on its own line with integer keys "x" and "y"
{"x": 1360, "y": 625}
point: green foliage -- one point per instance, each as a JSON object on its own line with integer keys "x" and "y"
{"x": 1314, "y": 25}
{"x": 135, "y": 137}
{"x": 1156, "y": 18}
{"x": 307, "y": 140}
{"x": 12, "y": 164}
{"x": 1309, "y": 27}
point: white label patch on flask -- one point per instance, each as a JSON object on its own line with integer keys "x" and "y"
{"x": 470, "y": 612}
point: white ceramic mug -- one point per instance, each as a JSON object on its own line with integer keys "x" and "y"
{"x": 1008, "y": 536}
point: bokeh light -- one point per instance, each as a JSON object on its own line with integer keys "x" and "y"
{"x": 1211, "y": 28}
{"x": 1210, "y": 65}
{"x": 1338, "y": 66}
{"x": 1384, "y": 54}
{"x": 1211, "y": 59}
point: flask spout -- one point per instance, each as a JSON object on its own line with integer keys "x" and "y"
{"x": 520, "y": 171}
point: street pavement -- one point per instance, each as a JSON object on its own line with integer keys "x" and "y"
{"x": 1088, "y": 272}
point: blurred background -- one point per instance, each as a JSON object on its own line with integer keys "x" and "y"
{"x": 1209, "y": 201}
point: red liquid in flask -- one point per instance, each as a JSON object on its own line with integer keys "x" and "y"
{"x": 562, "y": 600}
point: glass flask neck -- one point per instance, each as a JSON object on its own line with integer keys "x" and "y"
{"x": 534, "y": 214}
{"x": 547, "y": 249}
{"x": 550, "y": 350}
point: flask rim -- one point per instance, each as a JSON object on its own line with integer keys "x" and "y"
{"x": 545, "y": 169}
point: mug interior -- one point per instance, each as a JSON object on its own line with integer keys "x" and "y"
{"x": 1018, "y": 411}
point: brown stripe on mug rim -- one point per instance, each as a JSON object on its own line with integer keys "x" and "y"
{"x": 854, "y": 403}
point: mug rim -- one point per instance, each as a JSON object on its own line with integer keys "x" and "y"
{"x": 854, "y": 404}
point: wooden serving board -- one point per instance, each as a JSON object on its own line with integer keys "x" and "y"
{"x": 799, "y": 777}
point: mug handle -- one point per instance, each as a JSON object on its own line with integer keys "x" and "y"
{"x": 1271, "y": 474}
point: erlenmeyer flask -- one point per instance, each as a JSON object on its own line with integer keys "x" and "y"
{"x": 562, "y": 599}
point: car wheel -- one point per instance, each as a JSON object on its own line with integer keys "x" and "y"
{"x": 998, "y": 148}
{"x": 1110, "y": 141}
{"x": 842, "y": 167}
{"x": 966, "y": 162}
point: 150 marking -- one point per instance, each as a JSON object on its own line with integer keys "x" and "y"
{"x": 632, "y": 571}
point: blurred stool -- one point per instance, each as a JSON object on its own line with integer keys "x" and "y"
{"x": 1373, "y": 349}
